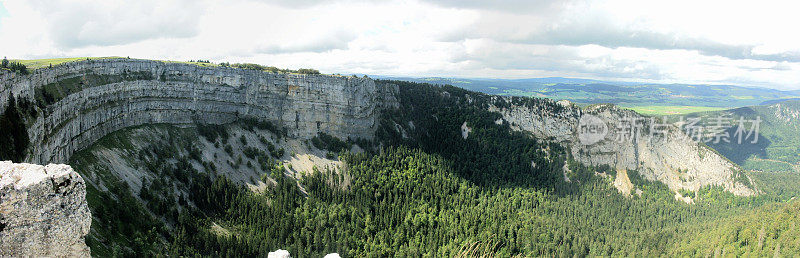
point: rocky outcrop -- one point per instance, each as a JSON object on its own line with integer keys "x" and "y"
{"x": 280, "y": 253}
{"x": 626, "y": 141}
{"x": 787, "y": 111}
{"x": 43, "y": 211}
{"x": 102, "y": 96}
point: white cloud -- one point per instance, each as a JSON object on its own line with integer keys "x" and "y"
{"x": 79, "y": 23}
{"x": 732, "y": 42}
{"x": 23, "y": 32}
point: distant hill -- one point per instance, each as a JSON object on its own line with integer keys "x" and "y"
{"x": 776, "y": 101}
{"x": 643, "y": 97}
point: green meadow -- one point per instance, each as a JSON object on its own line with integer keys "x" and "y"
{"x": 34, "y": 64}
{"x": 39, "y": 63}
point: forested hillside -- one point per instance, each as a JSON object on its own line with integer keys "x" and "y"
{"x": 778, "y": 146}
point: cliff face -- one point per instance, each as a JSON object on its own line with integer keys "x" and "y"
{"x": 83, "y": 101}
{"x": 667, "y": 155}
{"x": 43, "y": 211}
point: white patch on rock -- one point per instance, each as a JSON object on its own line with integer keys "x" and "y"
{"x": 401, "y": 130}
{"x": 465, "y": 130}
{"x": 333, "y": 255}
{"x": 686, "y": 199}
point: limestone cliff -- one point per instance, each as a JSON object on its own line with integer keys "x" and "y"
{"x": 667, "y": 155}
{"x": 83, "y": 101}
{"x": 43, "y": 211}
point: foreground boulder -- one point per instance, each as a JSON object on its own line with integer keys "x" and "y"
{"x": 43, "y": 211}
{"x": 280, "y": 253}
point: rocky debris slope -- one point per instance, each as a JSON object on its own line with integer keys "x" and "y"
{"x": 43, "y": 211}
{"x": 659, "y": 152}
{"x": 80, "y": 102}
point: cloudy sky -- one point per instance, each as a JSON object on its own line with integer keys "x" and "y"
{"x": 753, "y": 43}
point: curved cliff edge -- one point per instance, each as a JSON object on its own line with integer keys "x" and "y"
{"x": 80, "y": 102}
{"x": 43, "y": 211}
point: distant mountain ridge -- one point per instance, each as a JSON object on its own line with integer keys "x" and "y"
{"x": 626, "y": 94}
{"x": 776, "y": 101}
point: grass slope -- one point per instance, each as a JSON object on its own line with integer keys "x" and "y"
{"x": 34, "y": 64}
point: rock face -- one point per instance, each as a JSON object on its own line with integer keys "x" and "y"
{"x": 659, "y": 152}
{"x": 787, "y": 111}
{"x": 43, "y": 211}
{"x": 102, "y": 96}
{"x": 280, "y": 253}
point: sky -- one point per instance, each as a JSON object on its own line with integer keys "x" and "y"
{"x": 748, "y": 43}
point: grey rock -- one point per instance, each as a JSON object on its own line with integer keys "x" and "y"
{"x": 280, "y": 253}
{"x": 43, "y": 211}
{"x": 179, "y": 93}
{"x": 670, "y": 156}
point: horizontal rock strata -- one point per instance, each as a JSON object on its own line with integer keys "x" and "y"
{"x": 102, "y": 96}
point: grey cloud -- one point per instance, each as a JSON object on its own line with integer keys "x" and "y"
{"x": 75, "y": 25}
{"x": 782, "y": 66}
{"x": 514, "y": 6}
{"x": 556, "y": 59}
{"x": 527, "y": 23}
{"x": 604, "y": 35}
{"x": 297, "y": 3}
{"x": 334, "y": 41}
{"x": 301, "y": 4}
